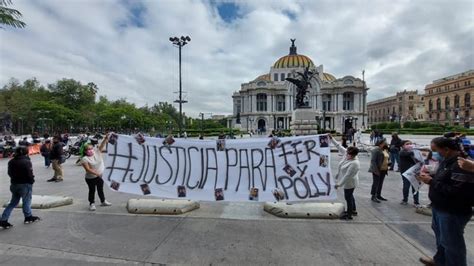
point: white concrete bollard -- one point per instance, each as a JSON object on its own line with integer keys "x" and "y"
{"x": 314, "y": 210}
{"x": 46, "y": 202}
{"x": 161, "y": 206}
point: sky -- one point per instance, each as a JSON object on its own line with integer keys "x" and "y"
{"x": 123, "y": 45}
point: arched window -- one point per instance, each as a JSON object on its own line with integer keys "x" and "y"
{"x": 261, "y": 102}
{"x": 438, "y": 104}
{"x": 456, "y": 101}
{"x": 447, "y": 103}
{"x": 348, "y": 101}
{"x": 467, "y": 99}
{"x": 430, "y": 106}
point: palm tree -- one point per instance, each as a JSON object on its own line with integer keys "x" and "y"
{"x": 9, "y": 16}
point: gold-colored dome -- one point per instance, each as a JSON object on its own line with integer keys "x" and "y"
{"x": 328, "y": 77}
{"x": 264, "y": 77}
{"x": 293, "y": 60}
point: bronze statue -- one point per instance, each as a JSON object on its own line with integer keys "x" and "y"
{"x": 302, "y": 85}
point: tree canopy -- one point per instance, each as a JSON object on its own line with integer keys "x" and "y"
{"x": 9, "y": 16}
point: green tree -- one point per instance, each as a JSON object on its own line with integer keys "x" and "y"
{"x": 73, "y": 94}
{"x": 9, "y": 16}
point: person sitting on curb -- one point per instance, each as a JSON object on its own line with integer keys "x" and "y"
{"x": 347, "y": 176}
{"x": 21, "y": 175}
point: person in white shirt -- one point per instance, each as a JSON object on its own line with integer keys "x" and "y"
{"x": 347, "y": 176}
{"x": 93, "y": 163}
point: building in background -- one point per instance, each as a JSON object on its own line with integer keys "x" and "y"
{"x": 402, "y": 107}
{"x": 449, "y": 100}
{"x": 266, "y": 103}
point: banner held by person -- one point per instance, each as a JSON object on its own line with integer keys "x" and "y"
{"x": 262, "y": 169}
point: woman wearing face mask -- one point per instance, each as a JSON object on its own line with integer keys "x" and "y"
{"x": 348, "y": 176}
{"x": 378, "y": 167}
{"x": 407, "y": 160}
{"x": 93, "y": 163}
{"x": 452, "y": 197}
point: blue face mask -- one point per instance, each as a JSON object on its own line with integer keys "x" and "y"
{"x": 437, "y": 156}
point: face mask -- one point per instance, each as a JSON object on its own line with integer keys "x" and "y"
{"x": 435, "y": 155}
{"x": 409, "y": 147}
{"x": 89, "y": 153}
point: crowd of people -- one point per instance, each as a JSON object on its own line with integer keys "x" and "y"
{"x": 20, "y": 170}
{"x": 448, "y": 169}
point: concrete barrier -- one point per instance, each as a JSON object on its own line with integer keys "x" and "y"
{"x": 311, "y": 210}
{"x": 161, "y": 206}
{"x": 46, "y": 202}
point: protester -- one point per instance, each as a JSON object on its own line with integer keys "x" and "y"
{"x": 45, "y": 150}
{"x": 395, "y": 145}
{"x": 56, "y": 159}
{"x": 372, "y": 136}
{"x": 378, "y": 168}
{"x": 21, "y": 175}
{"x": 347, "y": 176}
{"x": 466, "y": 164}
{"x": 93, "y": 164}
{"x": 24, "y": 142}
{"x": 407, "y": 160}
{"x": 452, "y": 199}
{"x": 344, "y": 141}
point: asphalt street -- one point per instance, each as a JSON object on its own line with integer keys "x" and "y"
{"x": 218, "y": 233}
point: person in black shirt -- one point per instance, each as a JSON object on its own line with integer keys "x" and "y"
{"x": 407, "y": 160}
{"x": 451, "y": 193}
{"x": 395, "y": 145}
{"x": 21, "y": 175}
{"x": 56, "y": 156}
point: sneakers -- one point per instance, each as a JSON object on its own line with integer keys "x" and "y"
{"x": 427, "y": 261}
{"x": 374, "y": 199}
{"x": 354, "y": 213}
{"x": 106, "y": 203}
{"x": 5, "y": 224}
{"x": 92, "y": 207}
{"x": 346, "y": 217}
{"x": 381, "y": 198}
{"x": 417, "y": 205}
{"x": 52, "y": 179}
{"x": 58, "y": 180}
{"x": 404, "y": 202}
{"x": 31, "y": 219}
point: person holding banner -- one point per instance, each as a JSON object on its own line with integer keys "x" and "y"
{"x": 409, "y": 157}
{"x": 347, "y": 176}
{"x": 93, "y": 164}
{"x": 451, "y": 192}
{"x": 378, "y": 168}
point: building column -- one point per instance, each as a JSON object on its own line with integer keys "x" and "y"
{"x": 340, "y": 104}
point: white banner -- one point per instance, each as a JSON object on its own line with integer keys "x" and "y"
{"x": 258, "y": 169}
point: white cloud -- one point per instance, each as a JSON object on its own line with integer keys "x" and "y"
{"x": 401, "y": 44}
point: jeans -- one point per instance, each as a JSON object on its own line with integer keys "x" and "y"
{"x": 394, "y": 157}
{"x": 406, "y": 190}
{"x": 449, "y": 232}
{"x": 19, "y": 191}
{"x": 92, "y": 184}
{"x": 47, "y": 161}
{"x": 350, "y": 201}
{"x": 377, "y": 183}
{"x": 58, "y": 169}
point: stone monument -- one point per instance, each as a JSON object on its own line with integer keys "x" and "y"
{"x": 303, "y": 120}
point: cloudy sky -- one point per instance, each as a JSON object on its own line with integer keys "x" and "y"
{"x": 123, "y": 45}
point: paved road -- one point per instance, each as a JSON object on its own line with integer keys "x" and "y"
{"x": 218, "y": 233}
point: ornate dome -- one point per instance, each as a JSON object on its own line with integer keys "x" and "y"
{"x": 328, "y": 77}
{"x": 264, "y": 77}
{"x": 293, "y": 59}
{"x": 289, "y": 61}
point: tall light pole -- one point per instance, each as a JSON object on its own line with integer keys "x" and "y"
{"x": 364, "y": 95}
{"x": 180, "y": 42}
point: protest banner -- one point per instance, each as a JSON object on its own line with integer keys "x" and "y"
{"x": 259, "y": 169}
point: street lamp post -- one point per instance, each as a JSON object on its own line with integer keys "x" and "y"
{"x": 324, "y": 121}
{"x": 180, "y": 42}
{"x": 364, "y": 95}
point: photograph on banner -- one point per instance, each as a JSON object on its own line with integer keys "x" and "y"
{"x": 261, "y": 169}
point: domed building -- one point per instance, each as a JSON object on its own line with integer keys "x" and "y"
{"x": 266, "y": 103}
